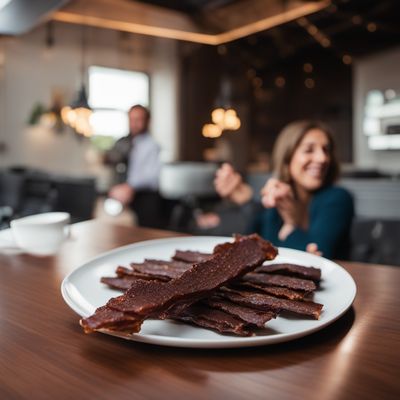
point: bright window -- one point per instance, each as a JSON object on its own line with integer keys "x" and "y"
{"x": 111, "y": 93}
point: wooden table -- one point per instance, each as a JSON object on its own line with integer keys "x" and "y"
{"x": 45, "y": 355}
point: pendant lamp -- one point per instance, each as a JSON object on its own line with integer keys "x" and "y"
{"x": 224, "y": 117}
{"x": 77, "y": 114}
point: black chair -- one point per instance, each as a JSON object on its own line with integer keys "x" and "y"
{"x": 26, "y": 191}
{"x": 376, "y": 241}
{"x": 185, "y": 188}
{"x": 76, "y": 196}
{"x": 11, "y": 189}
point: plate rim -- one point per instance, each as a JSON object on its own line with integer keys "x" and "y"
{"x": 229, "y": 341}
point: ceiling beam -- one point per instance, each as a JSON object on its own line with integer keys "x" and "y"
{"x": 219, "y": 26}
{"x": 248, "y": 17}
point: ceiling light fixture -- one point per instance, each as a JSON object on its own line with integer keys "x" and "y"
{"x": 313, "y": 31}
{"x": 77, "y": 114}
{"x": 224, "y": 117}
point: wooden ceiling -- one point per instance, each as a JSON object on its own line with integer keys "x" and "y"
{"x": 346, "y": 27}
{"x": 191, "y": 7}
{"x": 209, "y": 22}
{"x": 349, "y": 26}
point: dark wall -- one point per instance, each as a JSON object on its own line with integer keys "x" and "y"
{"x": 330, "y": 100}
{"x": 266, "y": 109}
{"x": 199, "y": 89}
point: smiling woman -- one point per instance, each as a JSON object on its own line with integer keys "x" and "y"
{"x": 302, "y": 209}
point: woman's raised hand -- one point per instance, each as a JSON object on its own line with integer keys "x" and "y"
{"x": 226, "y": 180}
{"x": 229, "y": 184}
{"x": 276, "y": 193}
{"x": 280, "y": 195}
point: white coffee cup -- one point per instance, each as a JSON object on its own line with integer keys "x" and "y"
{"x": 41, "y": 234}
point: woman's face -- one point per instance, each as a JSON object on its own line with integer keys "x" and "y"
{"x": 310, "y": 161}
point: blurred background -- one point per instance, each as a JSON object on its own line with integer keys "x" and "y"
{"x": 70, "y": 70}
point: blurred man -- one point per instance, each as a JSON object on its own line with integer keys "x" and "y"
{"x": 136, "y": 159}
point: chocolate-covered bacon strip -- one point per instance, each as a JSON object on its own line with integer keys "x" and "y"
{"x": 273, "y": 290}
{"x": 280, "y": 280}
{"x": 146, "y": 298}
{"x": 107, "y": 318}
{"x": 168, "y": 263}
{"x": 123, "y": 283}
{"x": 294, "y": 270}
{"x": 266, "y": 302}
{"x": 249, "y": 315}
{"x": 170, "y": 269}
{"x": 191, "y": 257}
{"x": 123, "y": 272}
{"x": 209, "y": 318}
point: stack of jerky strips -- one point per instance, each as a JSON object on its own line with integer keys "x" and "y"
{"x": 227, "y": 291}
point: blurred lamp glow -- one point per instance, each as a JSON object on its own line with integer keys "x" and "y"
{"x": 223, "y": 120}
{"x": 211, "y": 131}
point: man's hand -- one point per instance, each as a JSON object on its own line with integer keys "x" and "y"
{"x": 123, "y": 193}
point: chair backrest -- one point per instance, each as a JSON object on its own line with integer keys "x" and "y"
{"x": 376, "y": 241}
{"x": 376, "y": 228}
{"x": 375, "y": 198}
{"x": 76, "y": 196}
{"x": 257, "y": 180}
{"x": 11, "y": 189}
{"x": 183, "y": 179}
{"x": 28, "y": 191}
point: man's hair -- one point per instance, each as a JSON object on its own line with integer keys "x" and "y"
{"x": 288, "y": 141}
{"x": 139, "y": 106}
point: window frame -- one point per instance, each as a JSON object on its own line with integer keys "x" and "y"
{"x": 148, "y": 105}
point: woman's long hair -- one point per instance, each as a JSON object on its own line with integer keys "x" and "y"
{"x": 287, "y": 143}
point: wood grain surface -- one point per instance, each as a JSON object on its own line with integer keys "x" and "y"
{"x": 45, "y": 355}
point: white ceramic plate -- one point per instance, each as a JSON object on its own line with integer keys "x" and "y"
{"x": 83, "y": 292}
